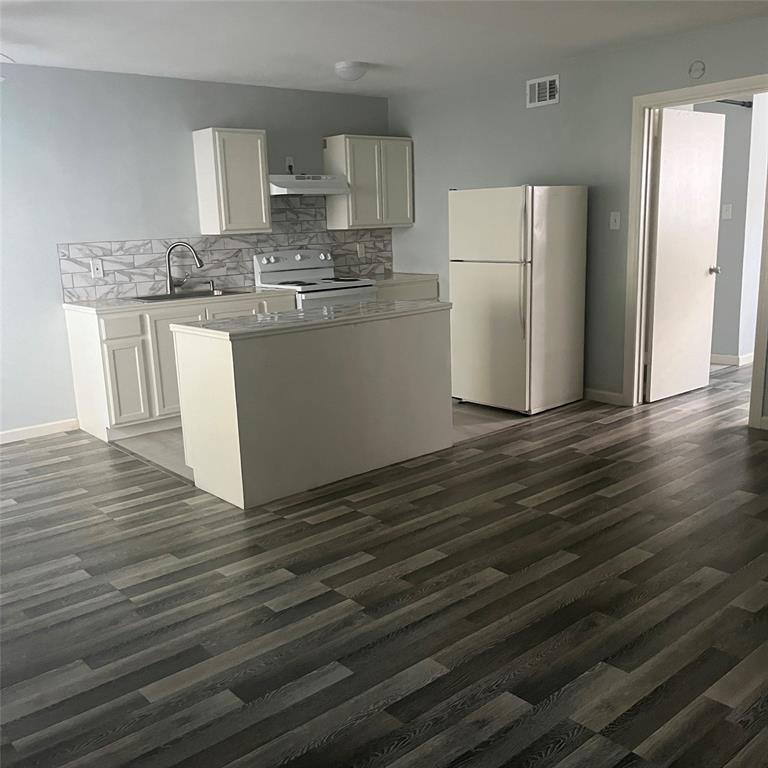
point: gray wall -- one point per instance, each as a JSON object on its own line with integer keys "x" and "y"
{"x": 486, "y": 137}
{"x": 726, "y": 328}
{"x": 94, "y": 156}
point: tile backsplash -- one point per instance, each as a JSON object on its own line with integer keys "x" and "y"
{"x": 137, "y": 267}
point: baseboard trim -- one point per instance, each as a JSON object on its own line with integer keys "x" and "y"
{"x": 602, "y": 396}
{"x": 731, "y": 359}
{"x": 37, "y": 430}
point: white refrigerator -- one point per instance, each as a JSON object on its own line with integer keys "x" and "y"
{"x": 517, "y": 280}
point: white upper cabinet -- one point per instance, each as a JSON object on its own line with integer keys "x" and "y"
{"x": 380, "y": 174}
{"x": 232, "y": 180}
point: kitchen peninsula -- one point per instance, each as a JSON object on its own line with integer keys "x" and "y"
{"x": 275, "y": 404}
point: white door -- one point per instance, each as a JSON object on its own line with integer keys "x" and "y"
{"x": 396, "y": 181}
{"x": 487, "y": 224}
{"x": 684, "y": 252}
{"x": 244, "y": 180}
{"x": 489, "y": 349}
{"x": 364, "y": 164}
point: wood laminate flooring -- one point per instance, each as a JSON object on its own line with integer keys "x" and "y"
{"x": 588, "y": 588}
{"x": 166, "y": 447}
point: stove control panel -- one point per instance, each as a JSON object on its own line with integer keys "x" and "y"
{"x": 292, "y": 259}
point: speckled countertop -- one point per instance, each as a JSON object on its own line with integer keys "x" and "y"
{"x": 303, "y": 319}
{"x": 406, "y": 277}
{"x": 114, "y": 305}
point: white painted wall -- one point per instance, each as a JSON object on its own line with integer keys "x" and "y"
{"x": 726, "y": 328}
{"x": 753, "y": 229}
{"x": 484, "y": 136}
{"x": 94, "y": 156}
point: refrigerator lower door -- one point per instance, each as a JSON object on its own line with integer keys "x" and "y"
{"x": 489, "y": 333}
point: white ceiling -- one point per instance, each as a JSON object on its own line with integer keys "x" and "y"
{"x": 414, "y": 45}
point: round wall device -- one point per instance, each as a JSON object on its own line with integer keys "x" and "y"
{"x": 697, "y": 69}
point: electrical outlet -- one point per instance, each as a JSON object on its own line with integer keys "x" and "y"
{"x": 97, "y": 268}
{"x": 727, "y": 211}
{"x": 289, "y": 166}
{"x": 615, "y": 221}
{"x": 361, "y": 251}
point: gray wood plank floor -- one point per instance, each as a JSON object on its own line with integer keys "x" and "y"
{"x": 587, "y": 588}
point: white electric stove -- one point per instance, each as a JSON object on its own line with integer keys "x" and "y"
{"x": 309, "y": 274}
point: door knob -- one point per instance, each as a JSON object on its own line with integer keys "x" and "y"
{"x": 715, "y": 270}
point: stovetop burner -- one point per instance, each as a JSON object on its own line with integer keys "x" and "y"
{"x": 295, "y": 282}
{"x": 341, "y": 279}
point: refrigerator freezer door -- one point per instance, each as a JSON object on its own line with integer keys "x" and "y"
{"x": 558, "y": 277}
{"x": 487, "y": 224}
{"x": 489, "y": 349}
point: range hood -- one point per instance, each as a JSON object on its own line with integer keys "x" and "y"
{"x": 307, "y": 184}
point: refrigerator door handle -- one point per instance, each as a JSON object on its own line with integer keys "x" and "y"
{"x": 522, "y": 301}
{"x": 523, "y": 222}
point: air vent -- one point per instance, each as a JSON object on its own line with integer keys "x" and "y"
{"x": 542, "y": 91}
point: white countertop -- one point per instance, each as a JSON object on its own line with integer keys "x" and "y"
{"x": 406, "y": 277}
{"x": 305, "y": 319}
{"x": 115, "y": 305}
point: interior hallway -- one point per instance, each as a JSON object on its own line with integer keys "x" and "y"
{"x": 587, "y": 587}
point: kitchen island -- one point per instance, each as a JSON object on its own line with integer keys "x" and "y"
{"x": 275, "y": 404}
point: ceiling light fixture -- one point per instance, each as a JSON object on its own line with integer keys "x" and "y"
{"x": 350, "y": 70}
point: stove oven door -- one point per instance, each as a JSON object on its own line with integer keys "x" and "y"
{"x": 337, "y": 296}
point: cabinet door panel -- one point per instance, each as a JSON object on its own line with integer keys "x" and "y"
{"x": 245, "y": 202}
{"x": 166, "y": 385}
{"x": 126, "y": 381}
{"x": 396, "y": 182}
{"x": 364, "y": 164}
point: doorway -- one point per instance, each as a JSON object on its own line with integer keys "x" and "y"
{"x": 672, "y": 333}
{"x": 705, "y": 198}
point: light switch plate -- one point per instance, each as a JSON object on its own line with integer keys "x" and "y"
{"x": 727, "y": 211}
{"x": 615, "y": 222}
{"x": 97, "y": 268}
{"x": 361, "y": 251}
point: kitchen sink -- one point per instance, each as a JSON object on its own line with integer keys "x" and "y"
{"x": 191, "y": 295}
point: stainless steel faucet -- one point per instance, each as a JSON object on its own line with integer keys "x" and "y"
{"x": 170, "y": 283}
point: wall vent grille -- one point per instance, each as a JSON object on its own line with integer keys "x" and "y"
{"x": 542, "y": 91}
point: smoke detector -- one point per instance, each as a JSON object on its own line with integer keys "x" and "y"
{"x": 350, "y": 70}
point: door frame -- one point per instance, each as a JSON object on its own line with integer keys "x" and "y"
{"x": 637, "y": 242}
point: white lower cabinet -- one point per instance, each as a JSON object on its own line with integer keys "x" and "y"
{"x": 165, "y": 387}
{"x": 239, "y": 308}
{"x": 411, "y": 290}
{"x": 124, "y": 363}
{"x": 127, "y": 393}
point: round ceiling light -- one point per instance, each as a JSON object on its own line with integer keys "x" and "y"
{"x": 350, "y": 70}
